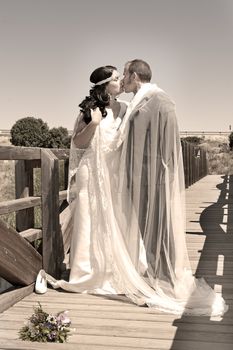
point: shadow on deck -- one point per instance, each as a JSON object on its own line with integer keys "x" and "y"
{"x": 216, "y": 266}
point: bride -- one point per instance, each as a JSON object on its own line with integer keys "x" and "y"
{"x": 107, "y": 254}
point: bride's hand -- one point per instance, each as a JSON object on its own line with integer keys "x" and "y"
{"x": 96, "y": 116}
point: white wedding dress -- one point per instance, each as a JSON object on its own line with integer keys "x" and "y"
{"x": 107, "y": 254}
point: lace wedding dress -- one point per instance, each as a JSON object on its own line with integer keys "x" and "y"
{"x": 113, "y": 208}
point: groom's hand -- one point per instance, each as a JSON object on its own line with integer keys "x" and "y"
{"x": 96, "y": 116}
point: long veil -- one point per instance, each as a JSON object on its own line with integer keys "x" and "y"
{"x": 137, "y": 212}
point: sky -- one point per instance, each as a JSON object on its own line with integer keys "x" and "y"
{"x": 48, "y": 49}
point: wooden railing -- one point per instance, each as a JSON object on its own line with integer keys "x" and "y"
{"x": 195, "y": 163}
{"x": 21, "y": 270}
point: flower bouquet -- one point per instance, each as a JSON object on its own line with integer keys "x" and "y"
{"x": 44, "y": 327}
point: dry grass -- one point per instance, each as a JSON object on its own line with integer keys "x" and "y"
{"x": 220, "y": 158}
{"x": 7, "y": 187}
{"x": 7, "y": 184}
{"x": 221, "y": 163}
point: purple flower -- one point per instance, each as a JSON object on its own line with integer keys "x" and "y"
{"x": 50, "y": 337}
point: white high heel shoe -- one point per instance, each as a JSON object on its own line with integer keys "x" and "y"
{"x": 41, "y": 283}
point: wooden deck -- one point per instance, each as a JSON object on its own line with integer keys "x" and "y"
{"x": 100, "y": 323}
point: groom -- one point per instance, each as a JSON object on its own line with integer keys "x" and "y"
{"x": 153, "y": 166}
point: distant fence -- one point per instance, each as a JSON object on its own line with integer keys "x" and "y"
{"x": 6, "y": 132}
{"x": 195, "y": 163}
{"x": 204, "y": 133}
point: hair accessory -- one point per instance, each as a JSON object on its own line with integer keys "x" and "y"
{"x": 103, "y": 81}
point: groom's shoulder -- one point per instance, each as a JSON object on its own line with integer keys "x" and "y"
{"x": 161, "y": 98}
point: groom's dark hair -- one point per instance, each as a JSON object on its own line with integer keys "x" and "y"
{"x": 141, "y": 68}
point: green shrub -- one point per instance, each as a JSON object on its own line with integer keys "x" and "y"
{"x": 59, "y": 138}
{"x": 30, "y": 132}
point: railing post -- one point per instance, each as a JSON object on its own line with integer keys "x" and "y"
{"x": 198, "y": 164}
{"x": 190, "y": 164}
{"x": 66, "y": 172}
{"x": 24, "y": 188}
{"x": 51, "y": 232}
{"x": 186, "y": 163}
{"x": 193, "y": 165}
{"x": 206, "y": 163}
{"x": 187, "y": 176}
{"x": 203, "y": 159}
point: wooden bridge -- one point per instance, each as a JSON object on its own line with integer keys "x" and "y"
{"x": 102, "y": 323}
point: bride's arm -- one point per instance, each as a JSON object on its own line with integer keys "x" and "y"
{"x": 82, "y": 135}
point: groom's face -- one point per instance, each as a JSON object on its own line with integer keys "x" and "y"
{"x": 128, "y": 81}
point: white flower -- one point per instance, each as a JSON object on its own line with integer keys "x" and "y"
{"x": 63, "y": 318}
{"x": 51, "y": 319}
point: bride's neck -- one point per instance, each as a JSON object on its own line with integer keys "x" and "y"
{"x": 115, "y": 107}
{"x": 112, "y": 103}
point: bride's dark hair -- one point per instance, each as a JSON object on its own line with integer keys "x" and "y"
{"x": 98, "y": 96}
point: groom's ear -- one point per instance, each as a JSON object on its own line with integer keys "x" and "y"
{"x": 135, "y": 76}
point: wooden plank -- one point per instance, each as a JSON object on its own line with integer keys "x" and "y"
{"x": 110, "y": 343}
{"x": 190, "y": 165}
{"x": 186, "y": 171}
{"x": 141, "y": 329}
{"x": 184, "y": 153}
{"x": 19, "y": 261}
{"x": 15, "y": 152}
{"x": 193, "y": 163}
{"x": 7, "y": 207}
{"x": 126, "y": 336}
{"x": 144, "y": 343}
{"x": 137, "y": 328}
{"x": 11, "y": 297}
{"x": 20, "y": 345}
{"x": 24, "y": 189}
{"x": 31, "y": 234}
{"x": 53, "y": 253}
{"x": 109, "y": 312}
{"x": 66, "y": 172}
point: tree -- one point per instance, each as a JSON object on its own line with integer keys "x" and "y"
{"x": 59, "y": 138}
{"x": 30, "y": 132}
